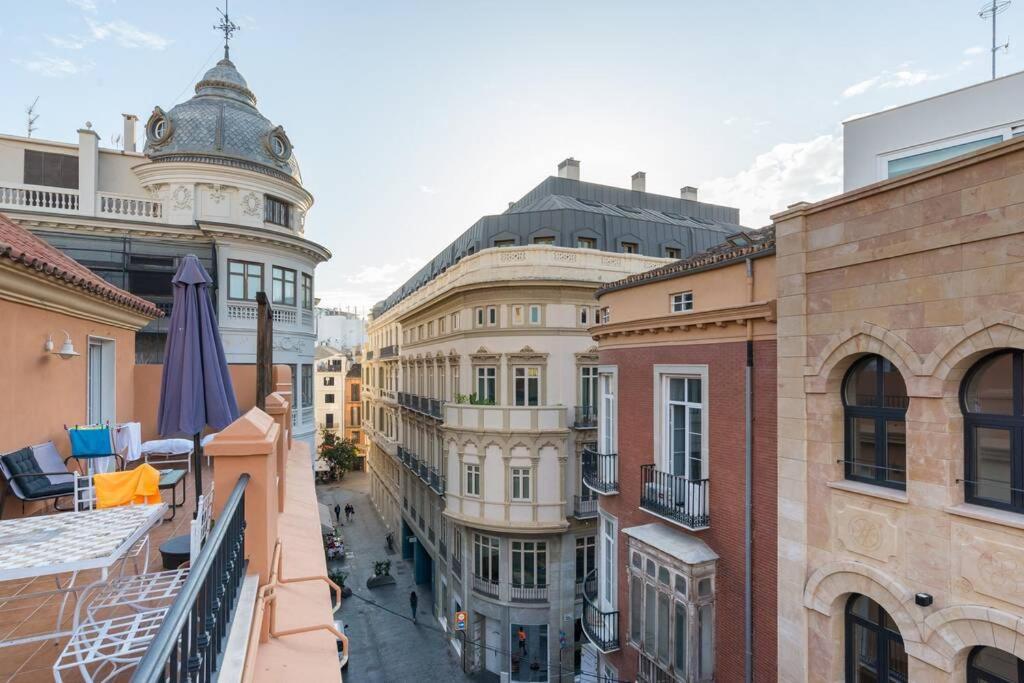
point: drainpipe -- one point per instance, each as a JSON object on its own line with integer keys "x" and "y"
{"x": 748, "y": 395}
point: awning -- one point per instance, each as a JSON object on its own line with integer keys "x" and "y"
{"x": 326, "y": 519}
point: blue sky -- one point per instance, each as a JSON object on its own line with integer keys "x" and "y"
{"x": 413, "y": 119}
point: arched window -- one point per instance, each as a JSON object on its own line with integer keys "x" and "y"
{"x": 989, "y": 665}
{"x": 874, "y": 647}
{"x": 993, "y": 405}
{"x": 875, "y": 411}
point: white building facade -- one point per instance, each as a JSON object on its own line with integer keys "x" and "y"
{"x": 217, "y": 179}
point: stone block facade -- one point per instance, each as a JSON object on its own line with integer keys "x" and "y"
{"x": 927, "y": 271}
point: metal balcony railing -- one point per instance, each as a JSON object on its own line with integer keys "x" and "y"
{"x": 673, "y": 496}
{"x": 205, "y": 605}
{"x": 485, "y": 586}
{"x": 579, "y": 589}
{"x": 435, "y": 408}
{"x": 388, "y": 351}
{"x": 369, "y": 355}
{"x": 584, "y": 508}
{"x": 600, "y": 471}
{"x": 528, "y": 593}
{"x": 424, "y": 472}
{"x": 586, "y": 417}
{"x": 437, "y": 481}
{"x": 442, "y": 549}
{"x": 601, "y": 628}
{"x": 456, "y": 566}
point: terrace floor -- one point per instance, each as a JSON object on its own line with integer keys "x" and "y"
{"x": 20, "y": 618}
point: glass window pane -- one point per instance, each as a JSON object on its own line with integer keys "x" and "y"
{"x": 680, "y": 638}
{"x": 897, "y": 661}
{"x": 236, "y": 288}
{"x": 663, "y": 632}
{"x": 696, "y": 459}
{"x": 677, "y": 389}
{"x": 991, "y": 387}
{"x": 996, "y": 662}
{"x": 894, "y": 391}
{"x": 993, "y": 470}
{"x": 707, "y": 641}
{"x": 677, "y": 431}
{"x": 636, "y": 599}
{"x": 896, "y": 450}
{"x": 693, "y": 390}
{"x": 861, "y": 387}
{"x": 650, "y": 597}
{"x": 865, "y": 655}
{"x": 862, "y": 447}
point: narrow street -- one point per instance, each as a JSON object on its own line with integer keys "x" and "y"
{"x": 385, "y": 647}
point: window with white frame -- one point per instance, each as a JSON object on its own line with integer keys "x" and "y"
{"x": 486, "y": 558}
{"x": 440, "y": 325}
{"x": 683, "y": 419}
{"x": 492, "y": 315}
{"x": 671, "y": 617}
{"x": 455, "y": 321}
{"x": 584, "y": 315}
{"x": 521, "y": 480}
{"x": 455, "y": 380}
{"x": 609, "y": 561}
{"x": 534, "y": 314}
{"x": 486, "y": 383}
{"x": 588, "y": 388}
{"x": 530, "y": 564}
{"x": 472, "y": 479}
{"x": 682, "y": 302}
{"x": 586, "y": 556}
{"x": 606, "y": 410}
{"x": 479, "y": 313}
{"x": 526, "y": 386}
{"x": 604, "y": 315}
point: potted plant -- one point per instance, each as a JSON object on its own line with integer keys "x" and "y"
{"x": 381, "y": 574}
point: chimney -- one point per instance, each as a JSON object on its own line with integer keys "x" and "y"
{"x": 640, "y": 181}
{"x": 689, "y": 192}
{"x": 570, "y": 168}
{"x": 129, "y": 131}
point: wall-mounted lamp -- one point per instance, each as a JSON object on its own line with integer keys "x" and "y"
{"x": 923, "y": 599}
{"x": 67, "y": 349}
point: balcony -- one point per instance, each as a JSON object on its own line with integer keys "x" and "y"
{"x": 389, "y": 351}
{"x": 437, "y": 481}
{"x": 528, "y": 593}
{"x": 424, "y": 472}
{"x": 585, "y": 418}
{"x": 601, "y": 628}
{"x": 600, "y": 471}
{"x": 675, "y": 498}
{"x": 584, "y": 508}
{"x": 369, "y": 354}
{"x": 485, "y": 587}
{"x": 456, "y": 566}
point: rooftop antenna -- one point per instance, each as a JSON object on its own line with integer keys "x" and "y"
{"x": 32, "y": 116}
{"x": 990, "y": 10}
{"x": 229, "y": 27}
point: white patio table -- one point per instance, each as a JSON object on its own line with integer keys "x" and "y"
{"x": 69, "y": 543}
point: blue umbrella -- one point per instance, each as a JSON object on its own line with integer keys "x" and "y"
{"x": 195, "y": 390}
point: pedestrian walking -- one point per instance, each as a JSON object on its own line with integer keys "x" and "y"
{"x": 337, "y": 511}
{"x": 413, "y": 600}
{"x": 522, "y": 640}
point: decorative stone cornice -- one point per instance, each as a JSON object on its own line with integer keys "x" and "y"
{"x": 685, "y": 322}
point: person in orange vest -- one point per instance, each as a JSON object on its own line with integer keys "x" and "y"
{"x": 522, "y": 640}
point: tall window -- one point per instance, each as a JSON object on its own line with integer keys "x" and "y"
{"x": 521, "y": 477}
{"x": 534, "y": 314}
{"x": 307, "y": 386}
{"x": 283, "y": 285}
{"x": 472, "y": 480}
{"x": 993, "y": 405}
{"x": 529, "y": 564}
{"x": 485, "y": 558}
{"x": 486, "y": 379}
{"x": 276, "y": 211}
{"x": 353, "y": 392}
{"x": 874, "y": 647}
{"x": 875, "y": 407}
{"x": 588, "y": 387}
{"x": 609, "y": 559}
{"x": 586, "y": 556}
{"x": 455, "y": 321}
{"x": 329, "y": 417}
{"x": 479, "y": 313}
{"x": 307, "y": 291}
{"x": 606, "y": 411}
{"x": 527, "y": 386}
{"x": 684, "y": 408}
{"x": 244, "y": 280}
{"x": 989, "y": 665}
{"x": 492, "y": 315}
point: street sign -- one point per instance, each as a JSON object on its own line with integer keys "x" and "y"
{"x": 460, "y": 621}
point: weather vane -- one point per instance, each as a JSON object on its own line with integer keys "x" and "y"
{"x": 227, "y": 26}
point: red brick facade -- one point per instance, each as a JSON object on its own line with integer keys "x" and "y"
{"x": 725, "y": 363}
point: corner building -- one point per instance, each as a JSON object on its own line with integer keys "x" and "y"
{"x": 901, "y": 425}
{"x": 684, "y": 470}
{"x": 480, "y": 392}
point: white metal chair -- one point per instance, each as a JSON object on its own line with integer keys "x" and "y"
{"x": 85, "y": 499}
{"x": 109, "y": 642}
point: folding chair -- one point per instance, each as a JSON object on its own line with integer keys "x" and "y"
{"x": 104, "y": 646}
{"x": 92, "y": 442}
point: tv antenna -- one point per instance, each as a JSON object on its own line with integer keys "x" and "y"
{"x": 115, "y": 141}
{"x": 32, "y": 116}
{"x": 990, "y": 10}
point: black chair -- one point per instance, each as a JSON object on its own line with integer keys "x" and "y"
{"x": 29, "y": 481}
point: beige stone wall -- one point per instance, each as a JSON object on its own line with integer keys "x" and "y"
{"x": 928, "y": 271}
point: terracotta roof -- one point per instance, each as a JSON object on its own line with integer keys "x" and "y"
{"x": 25, "y": 249}
{"x": 736, "y": 247}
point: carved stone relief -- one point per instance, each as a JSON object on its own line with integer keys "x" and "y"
{"x": 182, "y": 197}
{"x": 985, "y": 565}
{"x": 867, "y": 532}
{"x": 251, "y": 204}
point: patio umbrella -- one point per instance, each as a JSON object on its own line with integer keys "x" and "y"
{"x": 195, "y": 390}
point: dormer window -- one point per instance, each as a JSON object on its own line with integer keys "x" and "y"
{"x": 276, "y": 211}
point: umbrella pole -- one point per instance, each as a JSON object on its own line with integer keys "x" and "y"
{"x": 197, "y": 463}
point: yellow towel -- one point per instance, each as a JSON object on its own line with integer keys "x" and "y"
{"x": 138, "y": 486}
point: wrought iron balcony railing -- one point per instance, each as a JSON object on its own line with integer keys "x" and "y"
{"x": 456, "y": 566}
{"x": 424, "y": 471}
{"x": 584, "y": 508}
{"x": 437, "y": 481}
{"x": 600, "y": 471}
{"x": 674, "y": 497}
{"x": 388, "y": 351}
{"x": 600, "y": 627}
{"x": 485, "y": 586}
{"x": 586, "y": 417}
{"x": 205, "y": 605}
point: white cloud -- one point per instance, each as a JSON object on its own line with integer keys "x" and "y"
{"x": 427, "y": 189}
{"x": 69, "y": 43}
{"x": 127, "y": 35}
{"x": 85, "y": 5}
{"x": 788, "y": 173}
{"x": 974, "y": 51}
{"x": 53, "y": 67}
{"x": 369, "y": 285}
{"x": 731, "y": 120}
{"x": 903, "y": 77}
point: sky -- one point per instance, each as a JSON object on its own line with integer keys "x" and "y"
{"x": 411, "y": 120}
